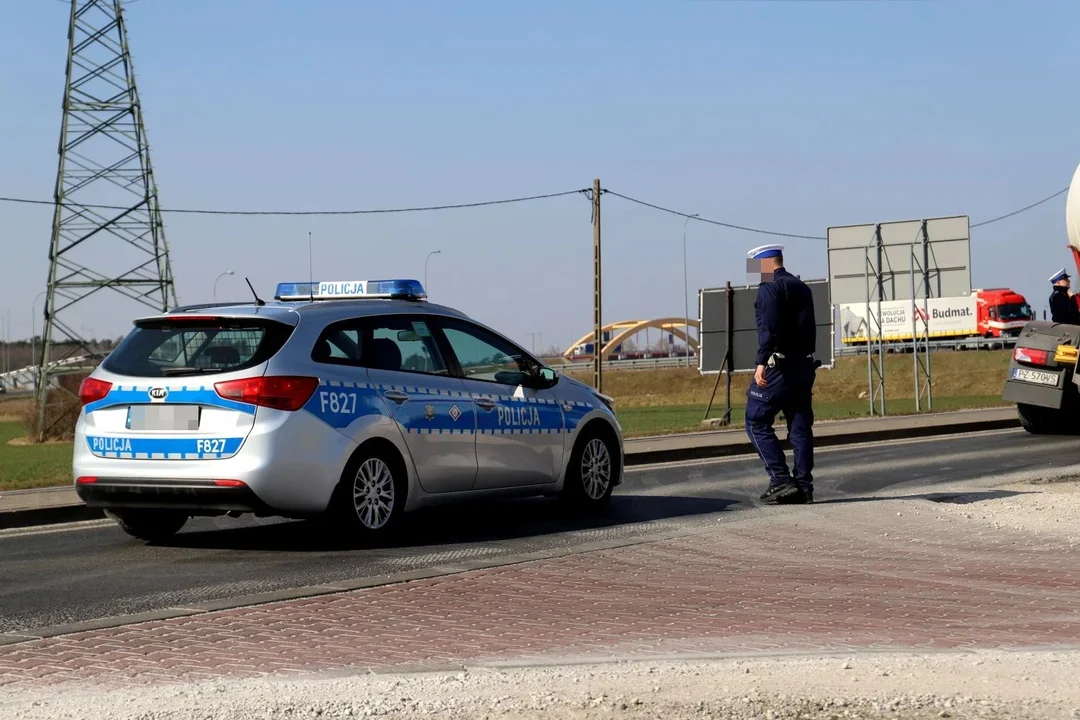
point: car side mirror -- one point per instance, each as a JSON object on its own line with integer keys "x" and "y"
{"x": 547, "y": 377}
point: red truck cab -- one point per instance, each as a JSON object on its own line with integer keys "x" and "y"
{"x": 1002, "y": 312}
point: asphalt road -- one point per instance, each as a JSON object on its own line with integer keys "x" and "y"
{"x": 63, "y": 575}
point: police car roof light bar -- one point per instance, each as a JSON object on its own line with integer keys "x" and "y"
{"x": 396, "y": 289}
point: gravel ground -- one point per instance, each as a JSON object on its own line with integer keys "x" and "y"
{"x": 987, "y": 684}
{"x": 1038, "y": 507}
{"x": 976, "y": 685}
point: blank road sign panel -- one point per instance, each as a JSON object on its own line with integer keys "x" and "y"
{"x": 713, "y": 311}
{"x": 949, "y": 259}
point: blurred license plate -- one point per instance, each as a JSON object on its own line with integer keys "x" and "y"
{"x": 1035, "y": 376}
{"x": 163, "y": 418}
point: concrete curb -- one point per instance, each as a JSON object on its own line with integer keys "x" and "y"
{"x": 52, "y": 515}
{"x": 694, "y": 446}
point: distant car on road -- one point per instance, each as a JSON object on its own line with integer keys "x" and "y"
{"x": 355, "y": 400}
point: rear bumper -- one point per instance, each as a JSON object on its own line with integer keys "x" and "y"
{"x": 290, "y": 462}
{"x": 199, "y": 497}
{"x": 1030, "y": 393}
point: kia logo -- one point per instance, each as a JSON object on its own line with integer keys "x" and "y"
{"x": 158, "y": 393}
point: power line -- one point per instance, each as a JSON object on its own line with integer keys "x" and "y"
{"x": 1023, "y": 209}
{"x": 814, "y": 237}
{"x": 378, "y": 211}
{"x": 486, "y": 203}
{"x": 713, "y": 222}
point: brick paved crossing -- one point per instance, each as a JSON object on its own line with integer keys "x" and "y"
{"x": 812, "y": 579}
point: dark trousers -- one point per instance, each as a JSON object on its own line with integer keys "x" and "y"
{"x": 788, "y": 391}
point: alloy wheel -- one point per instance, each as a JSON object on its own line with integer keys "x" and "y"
{"x": 373, "y": 493}
{"x": 595, "y": 469}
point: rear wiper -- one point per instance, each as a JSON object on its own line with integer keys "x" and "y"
{"x": 185, "y": 371}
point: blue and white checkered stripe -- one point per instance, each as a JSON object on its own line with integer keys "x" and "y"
{"x": 485, "y": 431}
{"x": 407, "y": 389}
{"x": 419, "y": 390}
{"x": 128, "y": 448}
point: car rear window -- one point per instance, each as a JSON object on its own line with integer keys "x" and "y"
{"x": 180, "y": 347}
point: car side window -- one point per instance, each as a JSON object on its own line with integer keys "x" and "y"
{"x": 340, "y": 344}
{"x": 485, "y": 356}
{"x": 404, "y": 344}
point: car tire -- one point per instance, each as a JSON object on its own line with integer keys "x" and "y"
{"x": 1033, "y": 418}
{"x": 594, "y": 465}
{"x": 149, "y": 525}
{"x": 1038, "y": 420}
{"x": 370, "y": 497}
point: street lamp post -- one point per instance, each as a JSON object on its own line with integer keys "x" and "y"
{"x": 433, "y": 252}
{"x": 227, "y": 272}
{"x": 686, "y": 292}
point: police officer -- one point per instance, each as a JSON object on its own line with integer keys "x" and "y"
{"x": 1063, "y": 308}
{"x": 784, "y": 378}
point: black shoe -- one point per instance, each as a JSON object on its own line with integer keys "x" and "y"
{"x": 773, "y": 489}
{"x": 800, "y": 496}
{"x": 776, "y": 492}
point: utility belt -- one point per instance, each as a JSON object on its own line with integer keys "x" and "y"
{"x": 778, "y": 359}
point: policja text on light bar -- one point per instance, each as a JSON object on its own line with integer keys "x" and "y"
{"x": 351, "y": 289}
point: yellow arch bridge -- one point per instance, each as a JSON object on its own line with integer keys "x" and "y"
{"x": 615, "y": 334}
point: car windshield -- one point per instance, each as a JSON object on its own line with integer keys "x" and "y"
{"x": 173, "y": 348}
{"x": 1014, "y": 311}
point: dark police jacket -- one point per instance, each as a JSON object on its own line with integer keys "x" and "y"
{"x": 1063, "y": 308}
{"x": 784, "y": 310}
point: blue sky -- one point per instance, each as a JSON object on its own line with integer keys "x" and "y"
{"x": 785, "y": 115}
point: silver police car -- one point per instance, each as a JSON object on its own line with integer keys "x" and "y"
{"x": 356, "y": 400}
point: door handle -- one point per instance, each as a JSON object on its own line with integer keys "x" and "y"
{"x": 486, "y": 404}
{"x": 396, "y": 396}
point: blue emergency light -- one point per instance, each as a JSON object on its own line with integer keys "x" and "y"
{"x": 398, "y": 289}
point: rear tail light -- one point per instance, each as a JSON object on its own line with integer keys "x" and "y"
{"x": 280, "y": 393}
{"x": 92, "y": 390}
{"x": 229, "y": 483}
{"x": 86, "y": 480}
{"x": 1031, "y": 356}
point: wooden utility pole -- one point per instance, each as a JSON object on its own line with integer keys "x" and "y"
{"x": 598, "y": 360}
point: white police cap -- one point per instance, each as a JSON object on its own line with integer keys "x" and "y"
{"x": 765, "y": 251}
{"x": 1059, "y": 275}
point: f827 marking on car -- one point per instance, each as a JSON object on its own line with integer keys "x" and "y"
{"x": 210, "y": 445}
{"x": 343, "y": 403}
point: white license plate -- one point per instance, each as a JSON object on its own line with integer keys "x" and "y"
{"x": 1035, "y": 376}
{"x": 163, "y": 418}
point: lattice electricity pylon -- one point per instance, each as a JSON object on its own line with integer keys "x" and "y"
{"x": 107, "y": 229}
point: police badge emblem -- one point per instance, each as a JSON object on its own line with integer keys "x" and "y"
{"x": 429, "y": 412}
